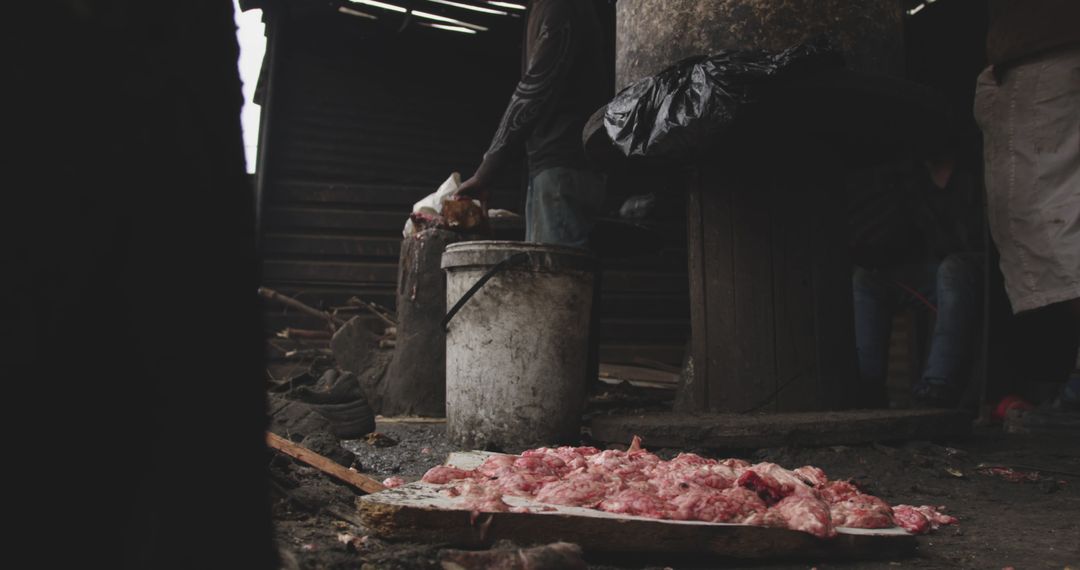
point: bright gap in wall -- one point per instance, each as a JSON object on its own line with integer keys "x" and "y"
{"x": 250, "y": 35}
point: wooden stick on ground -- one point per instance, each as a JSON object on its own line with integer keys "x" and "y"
{"x": 308, "y": 353}
{"x": 292, "y": 333}
{"x": 374, "y": 309}
{"x": 409, "y": 420}
{"x": 285, "y": 300}
{"x": 358, "y": 480}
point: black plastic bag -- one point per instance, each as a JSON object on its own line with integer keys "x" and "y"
{"x": 680, "y": 111}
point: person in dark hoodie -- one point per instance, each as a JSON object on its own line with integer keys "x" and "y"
{"x": 565, "y": 79}
{"x": 917, "y": 244}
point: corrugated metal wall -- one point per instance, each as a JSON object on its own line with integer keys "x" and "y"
{"x": 362, "y": 123}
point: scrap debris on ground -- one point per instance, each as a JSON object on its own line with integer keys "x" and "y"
{"x": 1015, "y": 494}
{"x": 1001, "y": 523}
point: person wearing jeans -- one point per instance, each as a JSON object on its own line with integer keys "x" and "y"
{"x": 917, "y": 243}
{"x": 561, "y": 205}
{"x": 950, "y": 291}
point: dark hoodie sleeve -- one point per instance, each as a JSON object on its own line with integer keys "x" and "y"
{"x": 543, "y": 83}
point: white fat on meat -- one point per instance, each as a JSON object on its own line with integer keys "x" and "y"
{"x": 495, "y": 463}
{"x": 478, "y": 497}
{"x": 803, "y": 513}
{"x": 836, "y": 491}
{"x": 774, "y": 483}
{"x": 689, "y": 487}
{"x": 519, "y": 483}
{"x": 581, "y": 489}
{"x": 920, "y": 520}
{"x": 734, "y": 505}
{"x": 862, "y": 511}
{"x": 635, "y": 502}
{"x": 441, "y": 474}
{"x": 671, "y": 482}
{"x": 814, "y": 476}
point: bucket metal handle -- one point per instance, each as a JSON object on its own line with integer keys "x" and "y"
{"x": 516, "y": 259}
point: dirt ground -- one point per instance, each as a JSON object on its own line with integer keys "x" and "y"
{"x": 1002, "y": 523}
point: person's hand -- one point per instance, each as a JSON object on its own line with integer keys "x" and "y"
{"x": 474, "y": 188}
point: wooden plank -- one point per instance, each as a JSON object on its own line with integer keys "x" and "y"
{"x": 284, "y": 218}
{"x": 754, "y": 383}
{"x": 276, "y": 317}
{"x": 655, "y": 365}
{"x": 720, "y": 271}
{"x": 1046, "y": 422}
{"x": 333, "y": 295}
{"x": 284, "y": 268}
{"x": 408, "y": 420}
{"x": 420, "y": 512}
{"x": 615, "y": 351}
{"x": 647, "y": 306}
{"x": 274, "y": 296}
{"x": 834, "y": 312}
{"x": 660, "y": 389}
{"x": 771, "y": 293}
{"x": 671, "y": 260}
{"x": 312, "y": 192}
{"x": 301, "y": 453}
{"x": 745, "y": 431}
{"x": 337, "y": 245}
{"x": 469, "y": 459}
{"x": 670, "y": 353}
{"x": 623, "y": 281}
{"x": 329, "y": 271}
{"x": 279, "y": 319}
{"x": 693, "y": 394}
{"x": 639, "y": 373}
{"x": 643, "y": 330}
{"x": 667, "y": 338}
{"x": 798, "y": 384}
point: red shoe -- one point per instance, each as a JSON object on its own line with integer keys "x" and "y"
{"x": 1010, "y": 402}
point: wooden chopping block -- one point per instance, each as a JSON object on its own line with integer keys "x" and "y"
{"x": 420, "y": 512}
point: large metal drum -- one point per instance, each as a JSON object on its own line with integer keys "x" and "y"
{"x": 653, "y": 34}
{"x": 770, "y": 279}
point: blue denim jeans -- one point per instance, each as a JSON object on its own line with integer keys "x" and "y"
{"x": 954, "y": 286}
{"x": 562, "y": 206}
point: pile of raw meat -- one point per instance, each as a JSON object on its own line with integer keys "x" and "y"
{"x": 687, "y": 488}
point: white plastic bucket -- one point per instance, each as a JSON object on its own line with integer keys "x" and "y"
{"x": 517, "y": 350}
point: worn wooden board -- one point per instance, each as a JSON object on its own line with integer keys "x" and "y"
{"x": 799, "y": 384}
{"x": 639, "y": 375}
{"x": 408, "y": 420}
{"x": 770, "y": 292}
{"x": 419, "y": 512}
{"x": 753, "y": 431}
{"x": 1048, "y": 422}
{"x": 358, "y": 480}
{"x": 693, "y": 393}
